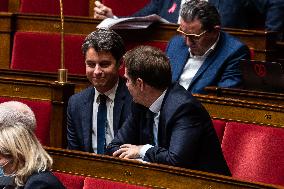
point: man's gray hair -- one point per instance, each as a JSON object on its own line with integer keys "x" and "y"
{"x": 201, "y": 10}
{"x": 13, "y": 112}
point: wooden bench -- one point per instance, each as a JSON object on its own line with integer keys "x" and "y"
{"x": 135, "y": 173}
{"x": 250, "y": 95}
{"x": 53, "y": 93}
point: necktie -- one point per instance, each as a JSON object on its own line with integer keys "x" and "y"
{"x": 148, "y": 130}
{"x": 101, "y": 124}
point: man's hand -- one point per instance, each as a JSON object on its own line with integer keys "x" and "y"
{"x": 101, "y": 11}
{"x": 128, "y": 151}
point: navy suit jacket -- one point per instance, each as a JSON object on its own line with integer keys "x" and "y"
{"x": 161, "y": 7}
{"x": 251, "y": 14}
{"x": 80, "y": 113}
{"x": 248, "y": 14}
{"x": 221, "y": 68}
{"x": 43, "y": 180}
{"x": 186, "y": 137}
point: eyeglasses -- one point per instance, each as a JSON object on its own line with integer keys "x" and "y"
{"x": 191, "y": 36}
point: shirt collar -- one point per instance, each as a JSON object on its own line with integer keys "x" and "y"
{"x": 156, "y": 106}
{"x": 110, "y": 94}
{"x": 207, "y": 52}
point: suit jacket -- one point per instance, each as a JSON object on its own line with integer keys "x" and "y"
{"x": 221, "y": 68}
{"x": 186, "y": 137}
{"x": 80, "y": 113}
{"x": 43, "y": 180}
{"x": 249, "y": 14}
{"x": 162, "y": 8}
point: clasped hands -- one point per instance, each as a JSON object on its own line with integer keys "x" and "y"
{"x": 128, "y": 151}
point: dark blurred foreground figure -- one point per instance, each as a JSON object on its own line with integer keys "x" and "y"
{"x": 203, "y": 55}
{"x": 245, "y": 14}
{"x": 167, "y": 124}
{"x": 23, "y": 161}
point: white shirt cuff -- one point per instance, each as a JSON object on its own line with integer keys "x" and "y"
{"x": 144, "y": 149}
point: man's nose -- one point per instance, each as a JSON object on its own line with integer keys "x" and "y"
{"x": 97, "y": 69}
{"x": 189, "y": 41}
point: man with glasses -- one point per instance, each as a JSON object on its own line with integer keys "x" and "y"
{"x": 203, "y": 55}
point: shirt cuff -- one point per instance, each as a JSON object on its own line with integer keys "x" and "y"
{"x": 144, "y": 149}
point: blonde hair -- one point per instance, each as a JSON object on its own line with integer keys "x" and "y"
{"x": 20, "y": 145}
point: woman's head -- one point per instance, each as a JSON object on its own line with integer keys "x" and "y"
{"x": 21, "y": 153}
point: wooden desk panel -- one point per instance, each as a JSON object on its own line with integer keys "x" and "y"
{"x": 148, "y": 175}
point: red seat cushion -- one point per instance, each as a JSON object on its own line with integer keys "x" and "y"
{"x": 42, "y": 110}
{"x": 70, "y": 181}
{"x": 219, "y": 126}
{"x": 93, "y": 183}
{"x": 70, "y": 7}
{"x": 130, "y": 45}
{"x": 4, "y": 5}
{"x": 125, "y": 7}
{"x": 254, "y": 153}
{"x": 41, "y": 52}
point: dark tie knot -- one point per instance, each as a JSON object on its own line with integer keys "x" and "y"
{"x": 102, "y": 98}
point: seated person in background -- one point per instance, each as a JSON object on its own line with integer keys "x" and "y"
{"x": 23, "y": 158}
{"x": 14, "y": 111}
{"x": 95, "y": 114}
{"x": 203, "y": 55}
{"x": 166, "y": 125}
{"x": 245, "y": 14}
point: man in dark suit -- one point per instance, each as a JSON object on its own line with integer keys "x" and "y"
{"x": 103, "y": 50}
{"x": 203, "y": 55}
{"x": 245, "y": 14}
{"x": 166, "y": 125}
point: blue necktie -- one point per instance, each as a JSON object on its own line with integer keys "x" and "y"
{"x": 101, "y": 124}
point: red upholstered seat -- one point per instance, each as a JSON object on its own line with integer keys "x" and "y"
{"x": 70, "y": 7}
{"x": 4, "y": 5}
{"x": 42, "y": 111}
{"x": 254, "y": 153}
{"x": 219, "y": 126}
{"x": 70, "y": 181}
{"x": 41, "y": 52}
{"x": 93, "y": 183}
{"x": 130, "y": 45}
{"x": 125, "y": 7}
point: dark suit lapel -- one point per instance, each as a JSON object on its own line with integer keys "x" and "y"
{"x": 87, "y": 121}
{"x": 180, "y": 62}
{"x": 119, "y": 102}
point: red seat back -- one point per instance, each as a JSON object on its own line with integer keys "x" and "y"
{"x": 93, "y": 183}
{"x": 130, "y": 45}
{"x": 219, "y": 126}
{"x": 125, "y": 7}
{"x": 42, "y": 111}
{"x": 41, "y": 52}
{"x": 254, "y": 153}
{"x": 70, "y": 181}
{"x": 70, "y": 7}
{"x": 4, "y": 4}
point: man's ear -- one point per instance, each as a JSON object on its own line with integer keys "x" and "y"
{"x": 140, "y": 84}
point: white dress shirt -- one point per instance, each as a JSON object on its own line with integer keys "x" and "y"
{"x": 109, "y": 128}
{"x": 155, "y": 108}
{"x": 192, "y": 66}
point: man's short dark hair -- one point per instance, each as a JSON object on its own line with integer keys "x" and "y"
{"x": 201, "y": 10}
{"x": 105, "y": 40}
{"x": 150, "y": 64}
